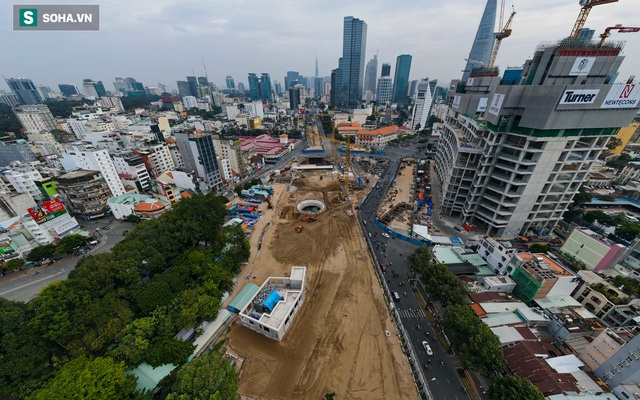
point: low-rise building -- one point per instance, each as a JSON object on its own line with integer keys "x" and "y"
{"x": 125, "y": 204}
{"x": 271, "y": 311}
{"x": 595, "y": 254}
{"x": 538, "y": 276}
{"x": 377, "y": 139}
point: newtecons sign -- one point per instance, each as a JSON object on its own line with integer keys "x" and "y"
{"x": 47, "y": 211}
{"x": 622, "y": 96}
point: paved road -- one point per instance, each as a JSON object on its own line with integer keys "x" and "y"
{"x": 442, "y": 378}
{"x": 25, "y": 286}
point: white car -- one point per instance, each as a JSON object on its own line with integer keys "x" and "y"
{"x": 427, "y": 348}
{"x": 385, "y": 234}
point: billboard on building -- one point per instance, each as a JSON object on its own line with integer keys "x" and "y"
{"x": 622, "y": 96}
{"x": 482, "y": 104}
{"x": 582, "y": 66}
{"x": 496, "y": 104}
{"x": 456, "y": 101}
{"x": 47, "y": 211}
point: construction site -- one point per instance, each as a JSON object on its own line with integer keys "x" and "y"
{"x": 342, "y": 341}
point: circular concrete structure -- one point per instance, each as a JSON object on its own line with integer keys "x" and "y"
{"x": 311, "y": 207}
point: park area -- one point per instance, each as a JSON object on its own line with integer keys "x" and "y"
{"x": 337, "y": 343}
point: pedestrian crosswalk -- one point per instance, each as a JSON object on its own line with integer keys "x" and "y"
{"x": 419, "y": 313}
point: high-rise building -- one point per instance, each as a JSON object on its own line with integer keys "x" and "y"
{"x": 384, "y": 91}
{"x": 413, "y": 86}
{"x": 67, "y": 90}
{"x": 277, "y": 87}
{"x": 120, "y": 85}
{"x": 241, "y": 88}
{"x": 199, "y": 156}
{"x": 421, "y": 105}
{"x": 184, "y": 89}
{"x": 386, "y": 70}
{"x": 332, "y": 91}
{"x": 482, "y": 47}
{"x": 350, "y": 72}
{"x": 295, "y": 96}
{"x": 45, "y": 91}
{"x": 93, "y": 88}
{"x": 254, "y": 86}
{"x": 231, "y": 85}
{"x": 9, "y": 99}
{"x": 290, "y": 78}
{"x": 35, "y": 118}
{"x": 265, "y": 88}
{"x": 193, "y": 85}
{"x": 318, "y": 87}
{"x": 512, "y": 157}
{"x": 25, "y": 90}
{"x": 317, "y": 71}
{"x": 371, "y": 75}
{"x": 401, "y": 79}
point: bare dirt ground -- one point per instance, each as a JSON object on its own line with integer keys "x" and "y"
{"x": 337, "y": 342}
{"x": 404, "y": 184}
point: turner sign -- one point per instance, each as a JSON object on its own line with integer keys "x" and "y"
{"x": 622, "y": 96}
{"x": 573, "y": 96}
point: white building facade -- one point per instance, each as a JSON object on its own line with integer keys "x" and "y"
{"x": 94, "y": 160}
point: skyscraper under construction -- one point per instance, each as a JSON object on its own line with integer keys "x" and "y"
{"x": 514, "y": 152}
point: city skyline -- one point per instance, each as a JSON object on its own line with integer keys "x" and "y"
{"x": 128, "y": 44}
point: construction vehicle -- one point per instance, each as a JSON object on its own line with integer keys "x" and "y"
{"x": 299, "y": 229}
{"x": 348, "y": 146}
{"x": 309, "y": 218}
{"x": 619, "y": 28}
{"x": 587, "y": 5}
{"x": 505, "y": 32}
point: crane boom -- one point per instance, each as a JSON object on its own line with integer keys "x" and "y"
{"x": 619, "y": 28}
{"x": 505, "y": 32}
{"x": 587, "y": 5}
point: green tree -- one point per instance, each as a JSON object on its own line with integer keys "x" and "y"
{"x": 620, "y": 161}
{"x": 14, "y": 264}
{"x": 539, "y": 248}
{"x": 514, "y": 387}
{"x": 441, "y": 284}
{"x": 9, "y": 122}
{"x": 22, "y": 350}
{"x": 581, "y": 198}
{"x": 420, "y": 260}
{"x": 68, "y": 243}
{"x": 628, "y": 231}
{"x": 473, "y": 340}
{"x": 41, "y": 252}
{"x": 64, "y": 108}
{"x": 57, "y": 311}
{"x": 209, "y": 377}
{"x": 82, "y": 378}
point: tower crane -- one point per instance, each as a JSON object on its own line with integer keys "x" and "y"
{"x": 505, "y": 32}
{"x": 587, "y": 5}
{"x": 348, "y": 146}
{"x": 619, "y": 28}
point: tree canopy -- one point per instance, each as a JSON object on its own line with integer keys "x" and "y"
{"x": 127, "y": 305}
{"x": 473, "y": 340}
{"x": 97, "y": 379}
{"x": 514, "y": 387}
{"x": 441, "y": 284}
{"x": 209, "y": 377}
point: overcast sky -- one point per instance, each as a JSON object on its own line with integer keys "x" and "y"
{"x": 165, "y": 40}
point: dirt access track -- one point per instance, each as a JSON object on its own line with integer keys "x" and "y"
{"x": 337, "y": 342}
